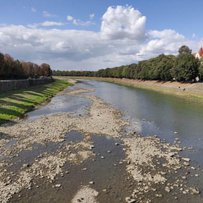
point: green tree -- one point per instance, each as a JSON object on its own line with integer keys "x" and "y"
{"x": 186, "y": 66}
{"x": 184, "y": 50}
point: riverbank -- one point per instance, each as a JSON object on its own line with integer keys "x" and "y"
{"x": 190, "y": 91}
{"x": 107, "y": 161}
{"x": 16, "y": 103}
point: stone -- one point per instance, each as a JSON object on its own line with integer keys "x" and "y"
{"x": 91, "y": 182}
{"x": 185, "y": 159}
{"x": 58, "y": 185}
{"x": 194, "y": 191}
{"x": 167, "y": 189}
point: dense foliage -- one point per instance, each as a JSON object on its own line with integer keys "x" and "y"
{"x": 184, "y": 68}
{"x": 15, "y": 69}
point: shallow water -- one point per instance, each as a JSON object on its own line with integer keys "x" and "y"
{"x": 106, "y": 173}
{"x": 60, "y": 104}
{"x": 152, "y": 113}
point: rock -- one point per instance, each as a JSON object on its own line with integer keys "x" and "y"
{"x": 109, "y": 151}
{"x": 116, "y": 144}
{"x": 194, "y": 191}
{"x": 130, "y": 200}
{"x": 184, "y": 192}
{"x": 172, "y": 154}
{"x": 158, "y": 195}
{"x": 167, "y": 189}
{"x": 196, "y": 175}
{"x": 58, "y": 185}
{"x": 91, "y": 182}
{"x": 92, "y": 147}
{"x": 104, "y": 190}
{"x": 184, "y": 177}
{"x": 84, "y": 169}
{"x": 102, "y": 157}
{"x": 185, "y": 159}
{"x": 186, "y": 163}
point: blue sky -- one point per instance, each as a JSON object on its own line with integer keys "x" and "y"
{"x": 159, "y": 21}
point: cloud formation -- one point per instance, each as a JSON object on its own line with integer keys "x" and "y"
{"x": 122, "y": 39}
{"x": 123, "y": 22}
{"x": 79, "y": 22}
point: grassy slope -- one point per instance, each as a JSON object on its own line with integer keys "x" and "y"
{"x": 16, "y": 103}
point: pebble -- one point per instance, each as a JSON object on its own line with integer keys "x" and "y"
{"x": 102, "y": 157}
{"x": 116, "y": 144}
{"x": 109, "y": 151}
{"x": 92, "y": 147}
{"x": 167, "y": 189}
{"x": 158, "y": 195}
{"x": 84, "y": 169}
{"x": 194, "y": 191}
{"x": 91, "y": 182}
{"x": 130, "y": 200}
{"x": 58, "y": 185}
{"x": 186, "y": 159}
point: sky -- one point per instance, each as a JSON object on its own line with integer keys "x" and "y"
{"x": 93, "y": 34}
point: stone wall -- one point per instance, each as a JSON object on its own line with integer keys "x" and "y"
{"x": 6, "y": 85}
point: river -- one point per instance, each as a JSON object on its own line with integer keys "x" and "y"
{"x": 172, "y": 118}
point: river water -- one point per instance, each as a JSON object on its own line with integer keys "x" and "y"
{"x": 155, "y": 113}
{"x": 152, "y": 113}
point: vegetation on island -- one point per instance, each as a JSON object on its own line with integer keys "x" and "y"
{"x": 15, "y": 69}
{"x": 183, "y": 68}
{"x": 16, "y": 103}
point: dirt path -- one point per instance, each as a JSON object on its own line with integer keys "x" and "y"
{"x": 36, "y": 153}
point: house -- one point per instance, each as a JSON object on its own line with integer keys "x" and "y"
{"x": 199, "y": 54}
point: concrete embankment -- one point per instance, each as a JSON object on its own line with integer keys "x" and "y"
{"x": 6, "y": 85}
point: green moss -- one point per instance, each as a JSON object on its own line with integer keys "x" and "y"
{"x": 16, "y": 103}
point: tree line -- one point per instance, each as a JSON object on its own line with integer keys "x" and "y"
{"x": 15, "y": 69}
{"x": 183, "y": 68}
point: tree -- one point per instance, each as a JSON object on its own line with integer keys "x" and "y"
{"x": 184, "y": 50}
{"x": 186, "y": 66}
{"x": 201, "y": 69}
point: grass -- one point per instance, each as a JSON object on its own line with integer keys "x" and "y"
{"x": 16, "y": 103}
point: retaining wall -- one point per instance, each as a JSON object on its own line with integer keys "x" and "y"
{"x": 6, "y": 85}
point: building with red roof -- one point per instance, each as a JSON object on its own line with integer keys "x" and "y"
{"x": 199, "y": 54}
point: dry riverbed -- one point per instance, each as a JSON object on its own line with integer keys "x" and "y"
{"x": 37, "y": 152}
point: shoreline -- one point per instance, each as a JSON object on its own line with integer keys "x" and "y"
{"x": 149, "y": 164}
{"x": 190, "y": 91}
{"x": 16, "y": 103}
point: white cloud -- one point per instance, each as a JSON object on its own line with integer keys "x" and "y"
{"x": 34, "y": 10}
{"x": 47, "y": 14}
{"x": 70, "y": 18}
{"x": 79, "y": 22}
{"x": 113, "y": 45}
{"x": 51, "y": 23}
{"x": 123, "y": 22}
{"x": 91, "y": 16}
{"x": 165, "y": 41}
